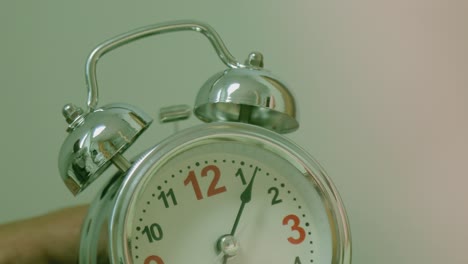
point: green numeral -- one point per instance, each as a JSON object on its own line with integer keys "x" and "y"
{"x": 241, "y": 175}
{"x": 275, "y": 199}
{"x": 153, "y": 232}
{"x": 163, "y": 196}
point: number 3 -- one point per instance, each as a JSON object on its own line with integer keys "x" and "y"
{"x": 153, "y": 259}
{"x": 295, "y": 227}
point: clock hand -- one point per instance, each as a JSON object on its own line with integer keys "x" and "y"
{"x": 245, "y": 197}
{"x": 227, "y": 244}
{"x": 219, "y": 257}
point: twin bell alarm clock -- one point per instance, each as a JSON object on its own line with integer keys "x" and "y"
{"x": 229, "y": 190}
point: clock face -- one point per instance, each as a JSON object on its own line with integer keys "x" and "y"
{"x": 227, "y": 201}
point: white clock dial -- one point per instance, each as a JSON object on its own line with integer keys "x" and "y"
{"x": 261, "y": 206}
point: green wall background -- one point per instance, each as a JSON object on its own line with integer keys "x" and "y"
{"x": 381, "y": 88}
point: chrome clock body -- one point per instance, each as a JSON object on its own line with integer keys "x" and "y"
{"x": 114, "y": 214}
{"x": 232, "y": 190}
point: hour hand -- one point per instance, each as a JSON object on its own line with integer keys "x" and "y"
{"x": 245, "y": 198}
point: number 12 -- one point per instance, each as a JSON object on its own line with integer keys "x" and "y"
{"x": 213, "y": 189}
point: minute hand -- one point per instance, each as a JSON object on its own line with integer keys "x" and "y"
{"x": 245, "y": 197}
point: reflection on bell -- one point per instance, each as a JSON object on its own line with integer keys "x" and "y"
{"x": 97, "y": 140}
{"x": 250, "y": 95}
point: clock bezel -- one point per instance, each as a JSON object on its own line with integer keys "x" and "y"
{"x": 189, "y": 138}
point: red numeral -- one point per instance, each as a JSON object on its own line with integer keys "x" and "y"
{"x": 192, "y": 178}
{"x": 213, "y": 189}
{"x": 295, "y": 227}
{"x": 153, "y": 259}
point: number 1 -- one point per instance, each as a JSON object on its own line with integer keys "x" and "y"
{"x": 241, "y": 175}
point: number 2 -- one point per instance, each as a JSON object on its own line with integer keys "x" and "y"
{"x": 275, "y": 199}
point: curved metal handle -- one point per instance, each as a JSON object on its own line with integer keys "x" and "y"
{"x": 105, "y": 47}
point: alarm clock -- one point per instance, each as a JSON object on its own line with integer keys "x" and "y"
{"x": 229, "y": 190}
